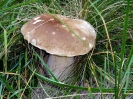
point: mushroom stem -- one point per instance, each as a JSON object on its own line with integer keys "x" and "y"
{"x": 60, "y": 65}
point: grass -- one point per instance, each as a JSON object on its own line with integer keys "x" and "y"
{"x": 105, "y": 72}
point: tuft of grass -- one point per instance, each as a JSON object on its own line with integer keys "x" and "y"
{"x": 105, "y": 72}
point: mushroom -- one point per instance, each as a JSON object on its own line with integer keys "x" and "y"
{"x": 62, "y": 37}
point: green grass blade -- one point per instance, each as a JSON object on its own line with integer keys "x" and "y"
{"x": 5, "y": 48}
{"x": 90, "y": 93}
{"x": 56, "y": 82}
{"x": 15, "y": 93}
{"x": 6, "y": 84}
{"x": 105, "y": 68}
{"x": 124, "y": 39}
{"x": 46, "y": 66}
{"x": 1, "y": 86}
{"x": 19, "y": 72}
{"x": 116, "y": 77}
{"x": 127, "y": 73}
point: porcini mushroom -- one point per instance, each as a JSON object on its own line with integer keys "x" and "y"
{"x": 62, "y": 37}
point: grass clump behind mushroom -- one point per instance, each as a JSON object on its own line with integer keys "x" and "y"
{"x": 105, "y": 72}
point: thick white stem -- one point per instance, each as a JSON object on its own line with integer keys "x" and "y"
{"x": 60, "y": 65}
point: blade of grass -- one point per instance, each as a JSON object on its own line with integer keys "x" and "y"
{"x": 90, "y": 92}
{"x": 93, "y": 70}
{"x": 46, "y": 66}
{"x": 126, "y": 76}
{"x": 1, "y": 91}
{"x": 27, "y": 84}
{"x": 15, "y": 93}
{"x": 19, "y": 72}
{"x": 105, "y": 67}
{"x": 104, "y": 90}
{"x": 124, "y": 40}
{"x": 128, "y": 71}
{"x": 56, "y": 82}
{"x": 5, "y": 49}
{"x": 6, "y": 84}
{"x": 116, "y": 77}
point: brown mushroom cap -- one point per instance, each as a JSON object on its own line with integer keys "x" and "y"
{"x": 60, "y": 35}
